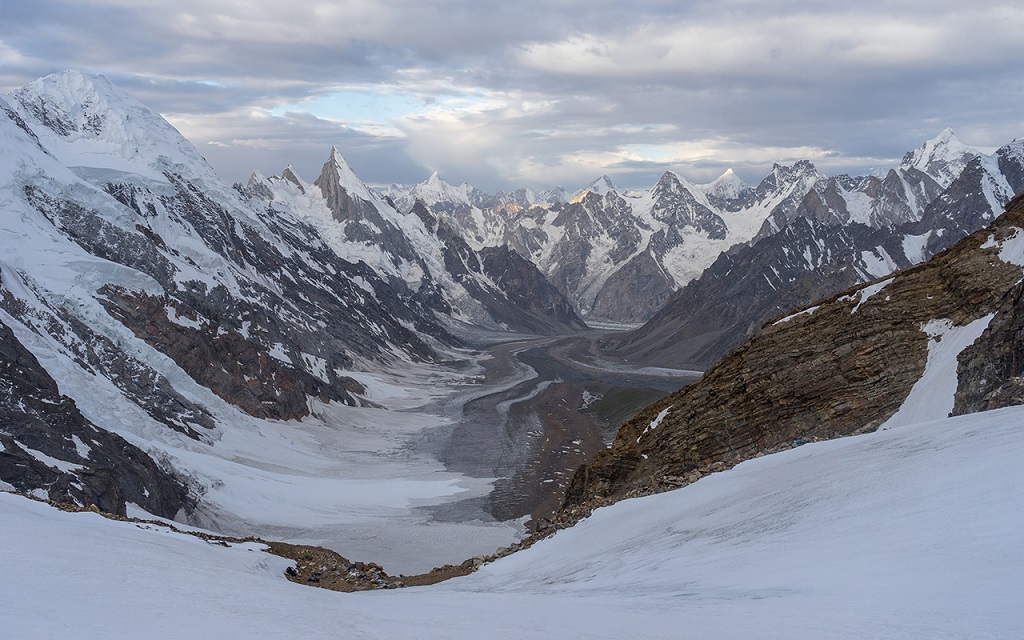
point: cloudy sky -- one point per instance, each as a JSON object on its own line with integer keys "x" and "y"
{"x": 535, "y": 94}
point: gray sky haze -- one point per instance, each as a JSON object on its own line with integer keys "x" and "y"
{"x": 535, "y": 94}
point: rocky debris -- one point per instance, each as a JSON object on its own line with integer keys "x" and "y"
{"x": 49, "y": 447}
{"x": 838, "y": 368}
{"x": 329, "y": 570}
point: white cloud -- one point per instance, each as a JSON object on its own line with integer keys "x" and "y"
{"x": 529, "y": 93}
{"x": 784, "y": 45}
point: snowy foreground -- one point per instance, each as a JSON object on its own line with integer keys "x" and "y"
{"x": 914, "y": 532}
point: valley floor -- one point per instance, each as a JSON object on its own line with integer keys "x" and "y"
{"x": 450, "y": 465}
{"x": 912, "y": 532}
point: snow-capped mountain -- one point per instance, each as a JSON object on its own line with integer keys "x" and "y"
{"x": 942, "y": 158}
{"x": 601, "y": 186}
{"x": 901, "y": 196}
{"x": 819, "y": 252}
{"x": 616, "y": 257}
{"x": 619, "y": 257}
{"x": 727, "y": 189}
{"x": 157, "y": 325}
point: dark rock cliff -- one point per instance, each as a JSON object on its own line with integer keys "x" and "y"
{"x": 47, "y": 446}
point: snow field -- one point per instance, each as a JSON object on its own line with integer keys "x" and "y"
{"x": 907, "y": 533}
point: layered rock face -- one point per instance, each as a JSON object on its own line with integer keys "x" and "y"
{"x": 841, "y": 367}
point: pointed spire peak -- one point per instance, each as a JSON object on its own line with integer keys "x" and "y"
{"x": 337, "y": 173}
{"x": 339, "y": 161}
{"x": 255, "y": 179}
{"x": 945, "y": 138}
{"x": 727, "y": 186}
{"x": 259, "y": 185}
{"x": 290, "y": 175}
{"x": 340, "y": 166}
{"x": 728, "y": 177}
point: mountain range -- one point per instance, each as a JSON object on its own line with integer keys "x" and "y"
{"x": 931, "y": 341}
{"x": 620, "y": 257}
{"x": 128, "y": 263}
{"x": 822, "y": 249}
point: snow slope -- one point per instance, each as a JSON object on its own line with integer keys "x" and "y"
{"x": 912, "y": 532}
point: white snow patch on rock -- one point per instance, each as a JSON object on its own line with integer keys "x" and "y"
{"x": 932, "y": 396}
{"x": 805, "y": 312}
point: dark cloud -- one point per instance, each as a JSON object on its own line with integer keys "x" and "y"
{"x": 531, "y": 93}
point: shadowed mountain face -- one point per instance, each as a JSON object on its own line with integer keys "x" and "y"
{"x": 840, "y": 367}
{"x": 49, "y": 448}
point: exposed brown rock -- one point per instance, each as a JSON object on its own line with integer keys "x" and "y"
{"x": 224, "y": 361}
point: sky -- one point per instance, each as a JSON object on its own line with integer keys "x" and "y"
{"x": 542, "y": 93}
